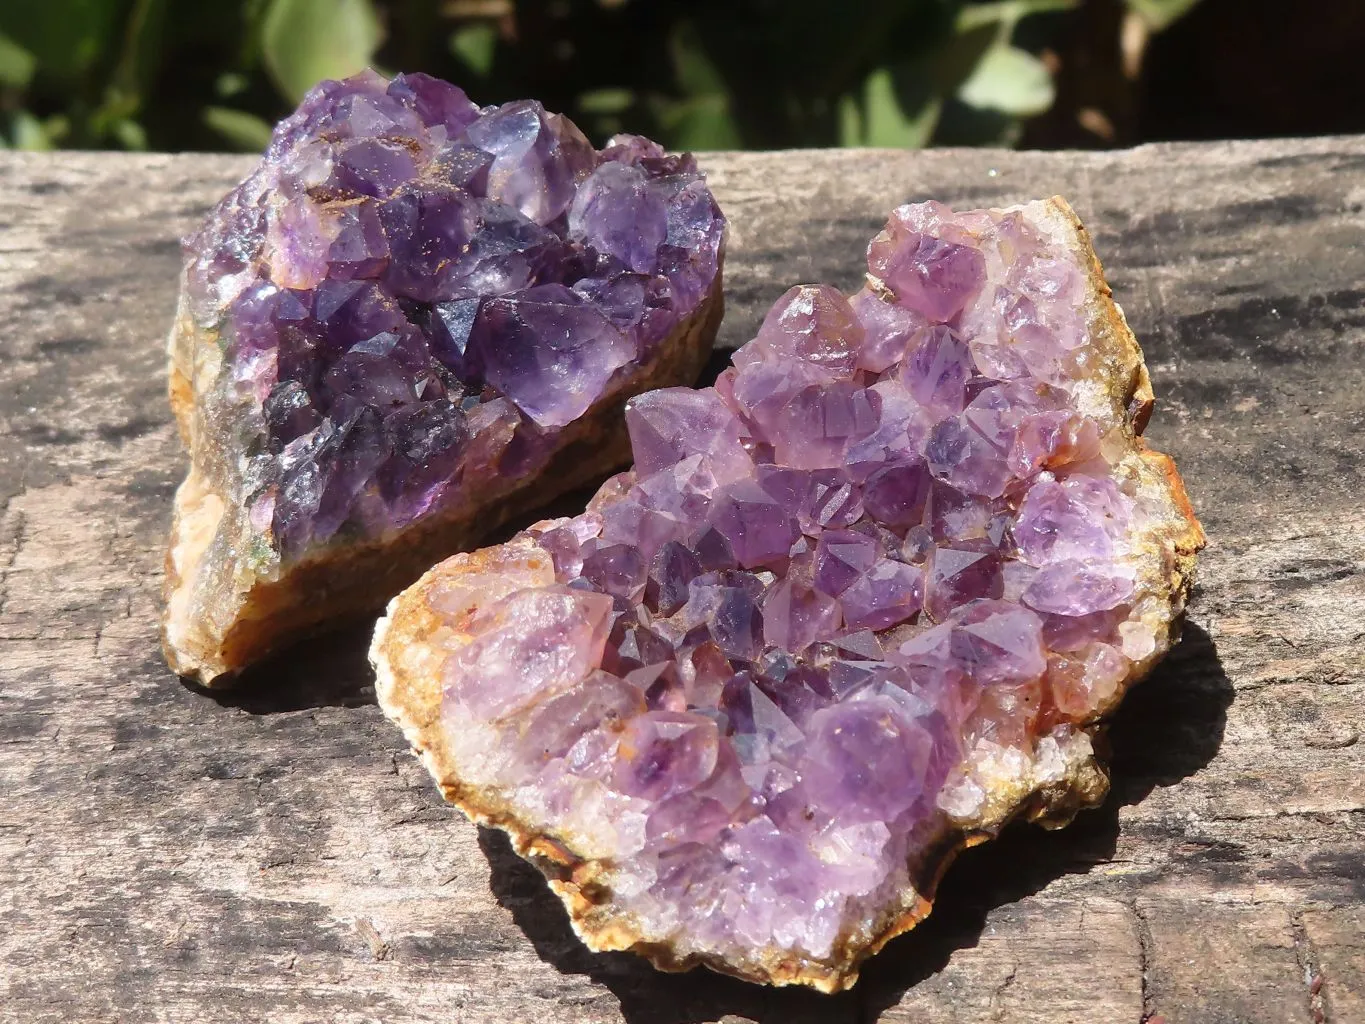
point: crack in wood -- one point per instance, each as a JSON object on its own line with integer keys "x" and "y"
{"x": 1309, "y": 963}
{"x": 999, "y": 992}
{"x": 1145, "y": 943}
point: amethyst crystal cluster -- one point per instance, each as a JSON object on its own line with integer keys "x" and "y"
{"x": 402, "y": 309}
{"x": 854, "y": 604}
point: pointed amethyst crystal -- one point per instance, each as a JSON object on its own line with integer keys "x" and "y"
{"x": 414, "y": 319}
{"x": 856, "y": 606}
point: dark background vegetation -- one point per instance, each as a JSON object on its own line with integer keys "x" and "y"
{"x": 703, "y": 74}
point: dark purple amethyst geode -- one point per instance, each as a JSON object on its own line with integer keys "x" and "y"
{"x": 409, "y": 312}
{"x": 856, "y": 606}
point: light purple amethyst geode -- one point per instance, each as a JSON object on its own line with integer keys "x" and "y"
{"x": 415, "y": 319}
{"x": 856, "y": 606}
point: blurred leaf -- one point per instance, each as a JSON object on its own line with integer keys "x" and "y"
{"x": 880, "y": 118}
{"x": 230, "y": 83}
{"x": 244, "y": 131}
{"x": 252, "y": 15}
{"x": 957, "y": 59}
{"x": 703, "y": 122}
{"x": 702, "y": 119}
{"x": 57, "y": 128}
{"x": 305, "y": 41}
{"x": 1009, "y": 13}
{"x": 695, "y": 72}
{"x": 1160, "y": 13}
{"x": 1009, "y": 80}
{"x": 16, "y": 64}
{"x": 475, "y": 44}
{"x": 65, "y": 37}
{"x": 129, "y": 133}
{"x": 605, "y": 101}
{"x": 111, "y": 119}
{"x": 27, "y": 132}
{"x": 141, "y": 52}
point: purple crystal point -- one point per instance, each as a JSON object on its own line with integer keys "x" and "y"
{"x": 538, "y": 159}
{"x": 888, "y": 593}
{"x": 668, "y": 425}
{"x": 841, "y": 557}
{"x": 812, "y": 324}
{"x": 547, "y": 349}
{"x": 888, "y": 330}
{"x": 928, "y": 261}
{"x": 937, "y": 371}
{"x": 618, "y": 213}
{"x": 871, "y": 594}
{"x": 405, "y": 306}
{"x": 664, "y": 753}
{"x": 795, "y": 616}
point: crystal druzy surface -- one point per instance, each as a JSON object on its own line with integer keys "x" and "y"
{"x": 412, "y": 297}
{"x": 860, "y": 600}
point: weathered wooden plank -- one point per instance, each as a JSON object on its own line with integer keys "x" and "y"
{"x": 1215, "y": 963}
{"x": 276, "y": 855}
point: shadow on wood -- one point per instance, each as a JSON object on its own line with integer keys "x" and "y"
{"x": 1169, "y": 727}
{"x": 331, "y": 670}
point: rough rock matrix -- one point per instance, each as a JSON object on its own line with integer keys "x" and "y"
{"x": 415, "y": 319}
{"x": 855, "y": 607}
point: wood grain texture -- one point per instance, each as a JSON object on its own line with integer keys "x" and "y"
{"x": 275, "y": 854}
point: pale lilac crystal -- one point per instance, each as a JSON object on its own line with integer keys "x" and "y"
{"x": 868, "y": 759}
{"x": 836, "y": 578}
{"x": 895, "y": 495}
{"x": 830, "y": 500}
{"x": 811, "y": 324}
{"x": 757, "y": 529}
{"x": 889, "y": 330}
{"x": 1078, "y": 588}
{"x": 561, "y": 722}
{"x": 411, "y": 290}
{"x": 666, "y": 753}
{"x": 673, "y": 568}
{"x": 932, "y": 267}
{"x": 667, "y": 426}
{"x": 521, "y": 650}
{"x": 936, "y": 373}
{"x": 796, "y": 615}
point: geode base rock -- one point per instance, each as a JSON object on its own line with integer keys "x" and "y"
{"x": 856, "y": 607}
{"x": 414, "y": 321}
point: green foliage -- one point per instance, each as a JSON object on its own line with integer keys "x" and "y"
{"x": 475, "y": 44}
{"x": 67, "y": 38}
{"x": 704, "y": 74}
{"x": 16, "y": 64}
{"x": 244, "y": 131}
{"x": 306, "y": 41}
{"x": 884, "y": 115}
{"x": 701, "y": 117}
{"x": 1010, "y": 80}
